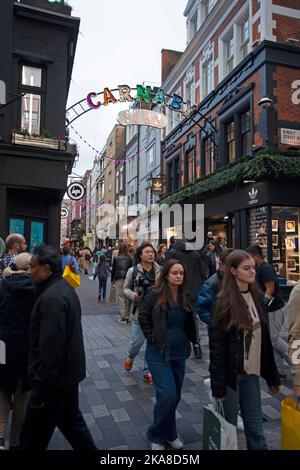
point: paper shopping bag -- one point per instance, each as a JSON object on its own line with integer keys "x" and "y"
{"x": 112, "y": 297}
{"x": 72, "y": 278}
{"x": 218, "y": 434}
{"x": 290, "y": 424}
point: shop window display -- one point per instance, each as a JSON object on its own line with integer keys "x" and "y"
{"x": 285, "y": 243}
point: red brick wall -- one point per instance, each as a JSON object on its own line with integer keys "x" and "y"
{"x": 287, "y": 3}
{"x": 168, "y": 61}
{"x": 286, "y": 109}
{"x": 255, "y": 6}
{"x": 286, "y": 27}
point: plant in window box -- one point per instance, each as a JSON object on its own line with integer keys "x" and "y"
{"x": 43, "y": 140}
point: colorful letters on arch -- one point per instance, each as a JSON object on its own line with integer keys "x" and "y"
{"x": 145, "y": 94}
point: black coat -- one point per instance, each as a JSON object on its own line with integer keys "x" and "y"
{"x": 226, "y": 357}
{"x": 192, "y": 262}
{"x": 120, "y": 266}
{"x": 16, "y": 302}
{"x": 153, "y": 320}
{"x": 56, "y": 355}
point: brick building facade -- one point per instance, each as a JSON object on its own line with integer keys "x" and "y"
{"x": 237, "y": 151}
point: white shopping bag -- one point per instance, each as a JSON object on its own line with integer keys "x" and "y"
{"x": 218, "y": 434}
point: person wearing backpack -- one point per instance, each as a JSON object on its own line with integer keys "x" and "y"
{"x": 137, "y": 282}
{"x": 121, "y": 264}
{"x": 102, "y": 271}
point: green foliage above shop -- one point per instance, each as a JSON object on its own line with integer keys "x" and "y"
{"x": 275, "y": 165}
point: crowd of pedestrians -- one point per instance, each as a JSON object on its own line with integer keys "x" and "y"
{"x": 164, "y": 295}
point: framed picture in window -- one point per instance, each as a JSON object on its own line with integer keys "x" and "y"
{"x": 290, "y": 226}
{"x": 276, "y": 254}
{"x": 276, "y": 267}
{"x": 274, "y": 225}
{"x": 291, "y": 264}
{"x": 274, "y": 239}
{"x": 290, "y": 243}
{"x": 262, "y": 242}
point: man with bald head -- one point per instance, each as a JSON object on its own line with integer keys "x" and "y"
{"x": 15, "y": 243}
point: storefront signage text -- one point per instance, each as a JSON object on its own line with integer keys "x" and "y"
{"x": 145, "y": 94}
{"x": 290, "y": 137}
{"x": 296, "y": 93}
{"x": 253, "y": 196}
{"x": 143, "y": 117}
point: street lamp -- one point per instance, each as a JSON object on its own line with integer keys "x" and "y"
{"x": 265, "y": 102}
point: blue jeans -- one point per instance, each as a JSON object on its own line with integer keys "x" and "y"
{"x": 247, "y": 396}
{"x": 102, "y": 286}
{"x": 135, "y": 344}
{"x": 167, "y": 379}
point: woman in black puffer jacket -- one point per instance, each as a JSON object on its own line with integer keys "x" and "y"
{"x": 16, "y": 302}
{"x": 241, "y": 349}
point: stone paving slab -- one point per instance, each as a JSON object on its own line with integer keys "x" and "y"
{"x": 118, "y": 406}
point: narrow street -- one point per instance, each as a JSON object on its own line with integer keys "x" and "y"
{"x": 118, "y": 405}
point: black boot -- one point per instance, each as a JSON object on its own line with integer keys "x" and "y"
{"x": 197, "y": 351}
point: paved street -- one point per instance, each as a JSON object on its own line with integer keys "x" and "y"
{"x": 118, "y": 405}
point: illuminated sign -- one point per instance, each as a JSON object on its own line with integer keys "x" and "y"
{"x": 145, "y": 94}
{"x": 144, "y": 117}
{"x": 158, "y": 185}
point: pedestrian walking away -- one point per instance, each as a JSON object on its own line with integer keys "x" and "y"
{"x": 16, "y": 303}
{"x": 121, "y": 263}
{"x": 56, "y": 358}
{"x": 167, "y": 321}
{"x": 241, "y": 349}
{"x": 102, "y": 272}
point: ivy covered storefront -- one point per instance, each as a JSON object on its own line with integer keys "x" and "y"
{"x": 255, "y": 200}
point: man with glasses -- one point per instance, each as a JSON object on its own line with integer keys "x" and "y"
{"x": 15, "y": 244}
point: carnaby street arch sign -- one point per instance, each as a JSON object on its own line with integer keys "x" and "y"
{"x": 124, "y": 93}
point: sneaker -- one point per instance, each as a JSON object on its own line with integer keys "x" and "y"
{"x": 128, "y": 363}
{"x": 176, "y": 444}
{"x": 197, "y": 351}
{"x": 2, "y": 443}
{"x": 208, "y": 389}
{"x": 99, "y": 298}
{"x": 240, "y": 423}
{"x": 122, "y": 320}
{"x": 148, "y": 378}
{"x": 155, "y": 446}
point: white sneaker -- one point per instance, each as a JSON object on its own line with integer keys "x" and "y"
{"x": 208, "y": 389}
{"x": 176, "y": 444}
{"x": 155, "y": 446}
{"x": 240, "y": 423}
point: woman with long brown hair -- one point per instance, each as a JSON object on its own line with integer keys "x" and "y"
{"x": 166, "y": 319}
{"x": 241, "y": 349}
{"x": 121, "y": 264}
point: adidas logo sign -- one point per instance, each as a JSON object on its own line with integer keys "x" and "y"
{"x": 253, "y": 195}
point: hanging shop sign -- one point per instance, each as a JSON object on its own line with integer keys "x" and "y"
{"x": 290, "y": 137}
{"x": 75, "y": 191}
{"x": 253, "y": 196}
{"x": 125, "y": 93}
{"x": 158, "y": 185}
{"x": 64, "y": 212}
{"x": 143, "y": 117}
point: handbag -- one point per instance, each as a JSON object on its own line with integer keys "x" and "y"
{"x": 112, "y": 297}
{"x": 71, "y": 277}
{"x": 218, "y": 434}
{"x": 290, "y": 424}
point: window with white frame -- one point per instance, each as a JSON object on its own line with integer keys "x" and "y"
{"x": 207, "y": 73}
{"x": 229, "y": 53}
{"x": 150, "y": 158}
{"x": 131, "y": 131}
{"x": 189, "y": 86}
{"x": 206, "y": 7}
{"x": 101, "y": 193}
{"x": 31, "y": 85}
{"x": 193, "y": 25}
{"x": 117, "y": 181}
{"x": 244, "y": 32}
{"x": 121, "y": 178}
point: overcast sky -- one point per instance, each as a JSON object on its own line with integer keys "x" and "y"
{"x": 119, "y": 42}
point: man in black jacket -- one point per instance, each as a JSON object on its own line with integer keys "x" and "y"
{"x": 192, "y": 262}
{"x": 56, "y": 358}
